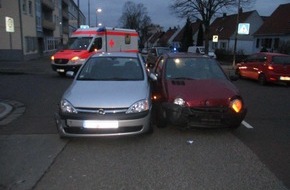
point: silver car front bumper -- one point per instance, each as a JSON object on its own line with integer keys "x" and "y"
{"x": 80, "y": 128}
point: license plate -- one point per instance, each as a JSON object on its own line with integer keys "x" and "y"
{"x": 285, "y": 78}
{"x": 91, "y": 124}
{"x": 60, "y": 70}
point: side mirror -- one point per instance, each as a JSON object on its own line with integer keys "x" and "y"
{"x": 153, "y": 76}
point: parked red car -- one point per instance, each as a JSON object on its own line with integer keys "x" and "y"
{"x": 192, "y": 90}
{"x": 266, "y": 67}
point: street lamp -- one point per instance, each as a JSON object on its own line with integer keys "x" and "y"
{"x": 98, "y": 10}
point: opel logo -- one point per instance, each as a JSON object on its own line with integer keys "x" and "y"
{"x": 101, "y": 111}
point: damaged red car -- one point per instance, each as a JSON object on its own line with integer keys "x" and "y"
{"x": 192, "y": 90}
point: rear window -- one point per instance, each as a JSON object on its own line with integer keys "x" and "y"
{"x": 281, "y": 60}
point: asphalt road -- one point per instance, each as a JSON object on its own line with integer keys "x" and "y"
{"x": 33, "y": 157}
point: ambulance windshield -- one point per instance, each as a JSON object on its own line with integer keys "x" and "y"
{"x": 79, "y": 43}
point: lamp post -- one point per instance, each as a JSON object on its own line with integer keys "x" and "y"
{"x": 236, "y": 34}
{"x": 98, "y": 10}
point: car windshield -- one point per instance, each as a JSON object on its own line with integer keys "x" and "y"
{"x": 79, "y": 43}
{"x": 281, "y": 60}
{"x": 193, "y": 68}
{"x": 112, "y": 69}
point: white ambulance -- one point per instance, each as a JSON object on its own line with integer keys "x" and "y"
{"x": 86, "y": 41}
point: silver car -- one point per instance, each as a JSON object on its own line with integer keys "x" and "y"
{"x": 109, "y": 96}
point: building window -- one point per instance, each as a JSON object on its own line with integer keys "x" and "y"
{"x": 24, "y": 6}
{"x": 276, "y": 43}
{"x": 258, "y": 43}
{"x": 30, "y": 44}
{"x": 0, "y": 3}
{"x": 30, "y": 8}
{"x": 223, "y": 45}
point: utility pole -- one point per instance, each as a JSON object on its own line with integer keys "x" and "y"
{"x": 89, "y": 19}
{"x": 236, "y": 35}
{"x": 78, "y": 13}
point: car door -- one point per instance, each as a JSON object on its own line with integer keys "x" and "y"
{"x": 247, "y": 66}
{"x": 258, "y": 66}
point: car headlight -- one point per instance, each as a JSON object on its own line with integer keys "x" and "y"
{"x": 140, "y": 106}
{"x": 76, "y": 60}
{"x": 66, "y": 107}
{"x": 236, "y": 105}
{"x": 179, "y": 101}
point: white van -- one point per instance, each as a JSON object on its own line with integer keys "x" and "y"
{"x": 201, "y": 50}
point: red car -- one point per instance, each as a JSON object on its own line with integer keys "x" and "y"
{"x": 192, "y": 90}
{"x": 266, "y": 67}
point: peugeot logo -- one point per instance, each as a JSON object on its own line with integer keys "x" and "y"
{"x": 101, "y": 112}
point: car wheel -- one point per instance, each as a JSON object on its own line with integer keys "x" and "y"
{"x": 262, "y": 79}
{"x": 161, "y": 117}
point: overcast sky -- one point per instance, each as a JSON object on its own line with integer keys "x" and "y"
{"x": 158, "y": 11}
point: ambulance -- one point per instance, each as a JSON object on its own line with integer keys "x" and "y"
{"x": 87, "y": 41}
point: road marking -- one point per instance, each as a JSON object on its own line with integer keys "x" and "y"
{"x": 247, "y": 125}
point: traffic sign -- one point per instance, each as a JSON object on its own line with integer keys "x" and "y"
{"x": 215, "y": 38}
{"x": 9, "y": 24}
{"x": 244, "y": 28}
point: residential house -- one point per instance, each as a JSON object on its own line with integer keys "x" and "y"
{"x": 274, "y": 34}
{"x": 153, "y": 39}
{"x": 176, "y": 42}
{"x": 165, "y": 38}
{"x": 35, "y": 27}
{"x": 225, "y": 28}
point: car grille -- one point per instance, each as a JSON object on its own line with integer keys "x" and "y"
{"x": 80, "y": 130}
{"x": 102, "y": 111}
{"x": 208, "y": 116}
{"x": 61, "y": 61}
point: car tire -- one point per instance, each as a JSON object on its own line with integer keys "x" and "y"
{"x": 161, "y": 121}
{"x": 262, "y": 79}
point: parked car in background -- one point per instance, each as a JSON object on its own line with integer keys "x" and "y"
{"x": 265, "y": 67}
{"x": 154, "y": 53}
{"x": 110, "y": 96}
{"x": 191, "y": 90}
{"x": 201, "y": 50}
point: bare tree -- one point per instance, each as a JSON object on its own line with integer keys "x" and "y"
{"x": 135, "y": 16}
{"x": 205, "y": 10}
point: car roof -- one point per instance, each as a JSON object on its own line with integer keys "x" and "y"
{"x": 116, "y": 54}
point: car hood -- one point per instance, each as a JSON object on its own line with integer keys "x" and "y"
{"x": 106, "y": 94}
{"x": 68, "y": 54}
{"x": 210, "y": 92}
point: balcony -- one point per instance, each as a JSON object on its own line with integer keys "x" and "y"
{"x": 47, "y": 24}
{"x": 48, "y": 4}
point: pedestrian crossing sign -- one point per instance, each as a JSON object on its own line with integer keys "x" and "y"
{"x": 244, "y": 28}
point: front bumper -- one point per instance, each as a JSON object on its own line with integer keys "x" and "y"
{"x": 61, "y": 68}
{"x": 75, "y": 126}
{"x": 209, "y": 117}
